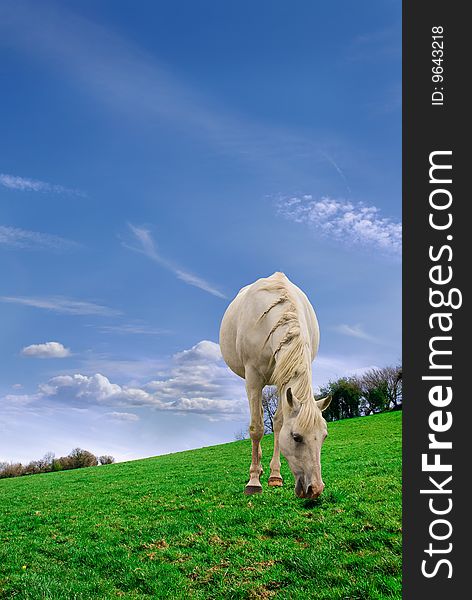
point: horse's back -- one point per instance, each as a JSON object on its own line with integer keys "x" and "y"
{"x": 247, "y": 335}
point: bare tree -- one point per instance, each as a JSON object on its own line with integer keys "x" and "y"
{"x": 270, "y": 402}
{"x": 11, "y": 470}
{"x": 32, "y": 468}
{"x": 395, "y": 387}
{"x": 387, "y": 379}
{"x": 242, "y": 434}
{"x": 106, "y": 459}
{"x": 45, "y": 464}
{"x": 82, "y": 458}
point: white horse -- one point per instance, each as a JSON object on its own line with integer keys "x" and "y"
{"x": 269, "y": 336}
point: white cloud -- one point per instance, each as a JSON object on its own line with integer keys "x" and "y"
{"x": 201, "y": 352}
{"x": 197, "y": 381}
{"x": 32, "y": 240}
{"x": 81, "y": 390}
{"x": 148, "y": 248}
{"x": 25, "y": 184}
{"x": 123, "y": 416}
{"x": 344, "y": 222}
{"x": 18, "y": 401}
{"x": 46, "y": 350}
{"x": 200, "y": 381}
{"x": 60, "y": 304}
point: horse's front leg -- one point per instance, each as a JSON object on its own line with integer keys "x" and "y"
{"x": 275, "y": 478}
{"x": 256, "y": 431}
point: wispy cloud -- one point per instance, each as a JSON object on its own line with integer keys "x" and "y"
{"x": 123, "y": 416}
{"x": 355, "y": 331}
{"x": 46, "y": 350}
{"x": 328, "y": 368}
{"x": 13, "y": 237}
{"x": 133, "y": 329}
{"x": 116, "y": 72}
{"x": 338, "y": 169}
{"x": 127, "y": 79}
{"x": 60, "y": 304}
{"x": 377, "y": 45}
{"x": 345, "y": 222}
{"x": 25, "y": 184}
{"x": 147, "y": 247}
{"x": 132, "y": 371}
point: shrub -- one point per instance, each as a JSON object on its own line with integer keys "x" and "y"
{"x": 82, "y": 458}
{"x": 11, "y": 470}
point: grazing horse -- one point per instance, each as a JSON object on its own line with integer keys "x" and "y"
{"x": 269, "y": 336}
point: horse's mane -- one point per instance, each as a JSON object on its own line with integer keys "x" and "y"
{"x": 292, "y": 356}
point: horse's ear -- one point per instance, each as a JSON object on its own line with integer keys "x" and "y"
{"x": 324, "y": 402}
{"x": 289, "y": 397}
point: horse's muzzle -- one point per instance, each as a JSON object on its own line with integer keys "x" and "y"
{"x": 311, "y": 491}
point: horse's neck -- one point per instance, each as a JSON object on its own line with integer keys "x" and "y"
{"x": 300, "y": 381}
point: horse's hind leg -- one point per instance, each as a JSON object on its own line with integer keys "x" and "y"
{"x": 275, "y": 479}
{"x": 256, "y": 430}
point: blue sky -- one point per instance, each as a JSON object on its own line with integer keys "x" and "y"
{"x": 155, "y": 161}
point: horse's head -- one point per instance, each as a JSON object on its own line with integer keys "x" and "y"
{"x": 300, "y": 442}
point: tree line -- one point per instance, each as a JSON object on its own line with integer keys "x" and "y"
{"x": 77, "y": 459}
{"x": 376, "y": 390}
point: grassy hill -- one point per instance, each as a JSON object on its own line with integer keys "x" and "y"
{"x": 179, "y": 526}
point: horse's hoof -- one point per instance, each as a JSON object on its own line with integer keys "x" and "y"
{"x": 253, "y": 489}
{"x": 275, "y": 481}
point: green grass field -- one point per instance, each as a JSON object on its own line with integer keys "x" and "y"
{"x": 179, "y": 526}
